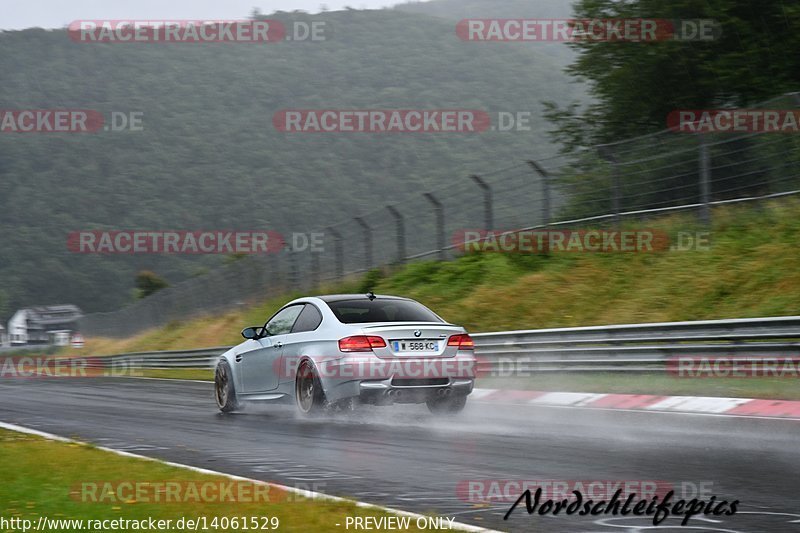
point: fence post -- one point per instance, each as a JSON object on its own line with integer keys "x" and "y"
{"x": 314, "y": 269}
{"x": 401, "y": 234}
{"x": 367, "y": 242}
{"x": 546, "y": 214}
{"x": 439, "y": 210}
{"x": 488, "y": 215}
{"x": 274, "y": 278}
{"x": 293, "y": 277}
{"x": 337, "y": 251}
{"x": 705, "y": 180}
{"x": 608, "y": 155}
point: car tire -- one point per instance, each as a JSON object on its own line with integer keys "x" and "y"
{"x": 224, "y": 391}
{"x": 448, "y": 405}
{"x": 308, "y": 393}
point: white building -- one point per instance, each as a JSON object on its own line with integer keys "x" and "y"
{"x": 18, "y": 328}
{"x": 51, "y": 324}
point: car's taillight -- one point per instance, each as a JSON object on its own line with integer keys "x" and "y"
{"x": 361, "y": 343}
{"x": 462, "y": 341}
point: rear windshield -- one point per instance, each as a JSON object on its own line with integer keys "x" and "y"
{"x": 360, "y": 311}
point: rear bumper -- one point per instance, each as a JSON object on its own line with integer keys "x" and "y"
{"x": 412, "y": 391}
{"x": 409, "y": 380}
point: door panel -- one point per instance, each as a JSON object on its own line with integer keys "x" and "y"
{"x": 259, "y": 366}
{"x": 293, "y": 349}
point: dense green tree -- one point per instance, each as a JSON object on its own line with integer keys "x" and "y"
{"x": 148, "y": 283}
{"x": 751, "y": 59}
{"x": 636, "y": 85}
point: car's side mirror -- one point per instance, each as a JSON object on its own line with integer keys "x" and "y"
{"x": 251, "y": 333}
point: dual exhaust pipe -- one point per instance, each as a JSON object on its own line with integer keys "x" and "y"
{"x": 396, "y": 393}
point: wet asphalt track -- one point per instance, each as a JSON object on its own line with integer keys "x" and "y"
{"x": 403, "y": 457}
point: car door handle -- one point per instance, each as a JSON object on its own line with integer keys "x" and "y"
{"x": 278, "y": 345}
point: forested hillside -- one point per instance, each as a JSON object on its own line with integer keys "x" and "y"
{"x": 209, "y": 156}
{"x": 454, "y": 10}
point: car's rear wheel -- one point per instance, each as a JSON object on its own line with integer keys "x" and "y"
{"x": 447, "y": 405}
{"x": 309, "y": 396}
{"x": 224, "y": 391}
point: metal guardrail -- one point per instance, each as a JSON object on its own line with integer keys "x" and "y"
{"x": 636, "y": 347}
{"x": 201, "y": 358}
{"x": 13, "y": 350}
{"x": 615, "y": 348}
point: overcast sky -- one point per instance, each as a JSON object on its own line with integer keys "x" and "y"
{"x": 20, "y": 14}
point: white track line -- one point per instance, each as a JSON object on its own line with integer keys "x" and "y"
{"x": 301, "y": 492}
{"x": 678, "y": 413}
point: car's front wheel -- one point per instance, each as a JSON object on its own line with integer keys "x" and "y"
{"x": 447, "y": 405}
{"x": 224, "y": 391}
{"x": 309, "y": 396}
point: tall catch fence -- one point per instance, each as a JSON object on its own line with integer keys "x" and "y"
{"x": 598, "y": 187}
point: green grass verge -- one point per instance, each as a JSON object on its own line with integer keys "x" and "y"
{"x": 202, "y": 374}
{"x": 43, "y": 478}
{"x": 658, "y": 384}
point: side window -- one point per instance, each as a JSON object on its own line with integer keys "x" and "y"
{"x": 283, "y": 321}
{"x": 308, "y": 320}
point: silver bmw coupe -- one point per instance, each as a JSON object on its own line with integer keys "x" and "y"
{"x": 337, "y": 351}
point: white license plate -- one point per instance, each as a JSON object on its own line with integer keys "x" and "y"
{"x": 416, "y": 345}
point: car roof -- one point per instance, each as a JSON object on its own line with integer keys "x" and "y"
{"x": 327, "y": 298}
